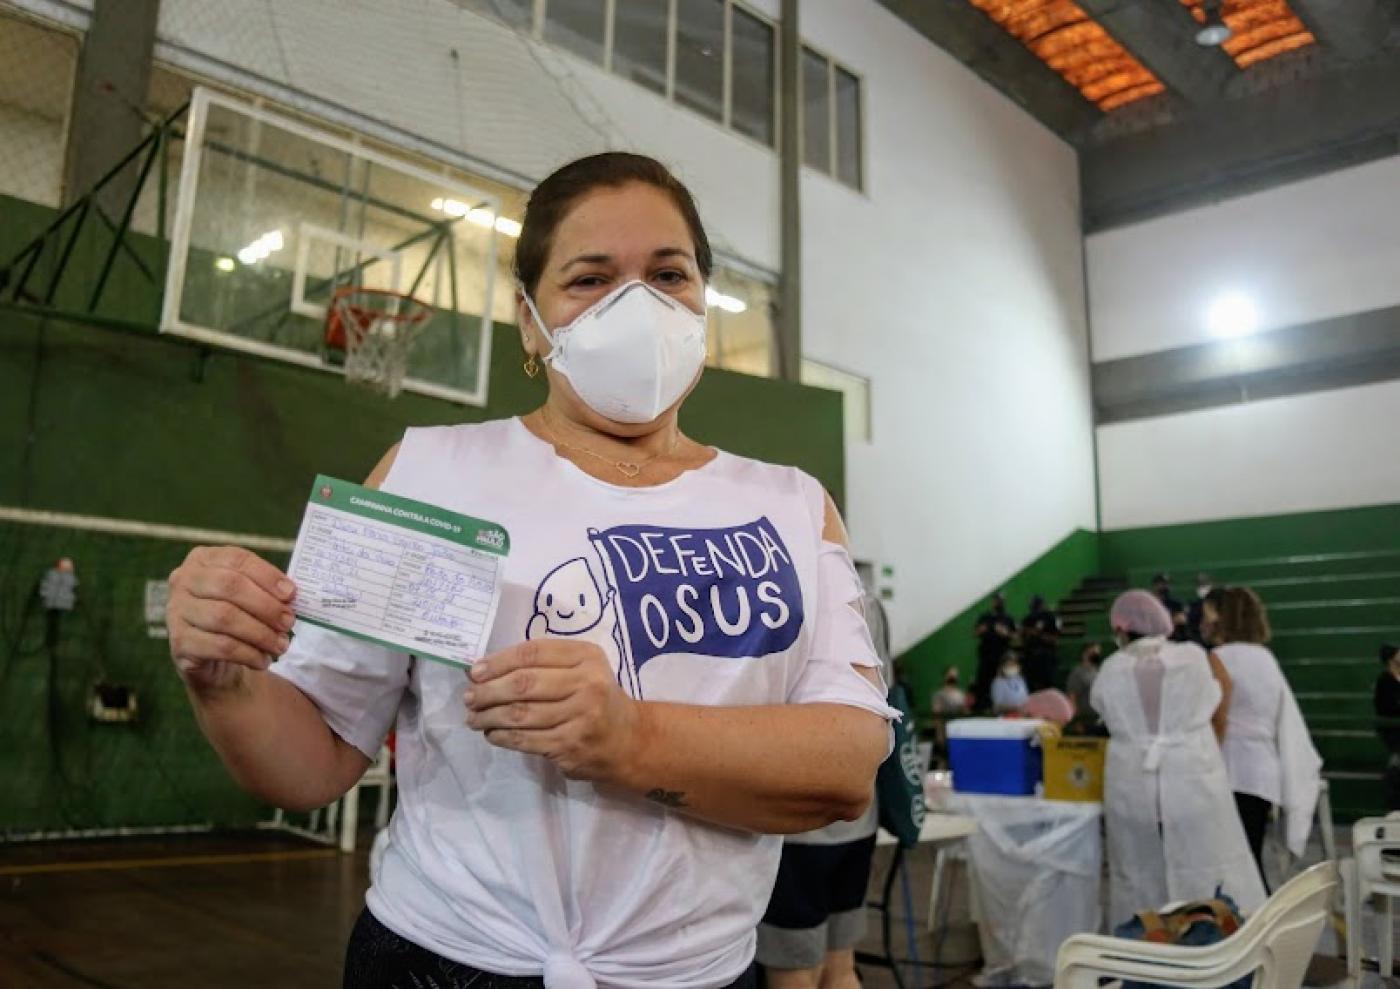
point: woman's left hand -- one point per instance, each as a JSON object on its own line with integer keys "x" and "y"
{"x": 558, "y": 699}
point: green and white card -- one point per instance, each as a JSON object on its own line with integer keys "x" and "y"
{"x": 399, "y": 572}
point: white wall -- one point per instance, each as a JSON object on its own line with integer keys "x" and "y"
{"x": 1310, "y": 250}
{"x": 953, "y": 282}
{"x": 1333, "y": 449}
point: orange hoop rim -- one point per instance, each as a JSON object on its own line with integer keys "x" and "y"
{"x": 340, "y": 302}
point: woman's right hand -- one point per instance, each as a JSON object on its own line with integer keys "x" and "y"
{"x": 229, "y": 611}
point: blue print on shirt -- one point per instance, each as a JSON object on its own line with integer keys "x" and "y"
{"x": 730, "y": 592}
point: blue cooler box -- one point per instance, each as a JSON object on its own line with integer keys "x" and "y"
{"x": 992, "y": 755}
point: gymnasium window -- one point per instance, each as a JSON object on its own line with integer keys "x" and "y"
{"x": 639, "y": 52}
{"x": 831, "y": 118}
{"x": 699, "y": 82}
{"x": 516, "y": 13}
{"x": 716, "y": 58}
{"x": 854, "y": 387}
{"x": 578, "y": 25}
{"x": 754, "y": 76}
{"x": 741, "y": 336}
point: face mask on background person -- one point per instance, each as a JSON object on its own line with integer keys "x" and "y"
{"x": 631, "y": 355}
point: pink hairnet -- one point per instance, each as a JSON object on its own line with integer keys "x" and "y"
{"x": 1141, "y": 613}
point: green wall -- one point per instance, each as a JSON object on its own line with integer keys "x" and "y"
{"x": 1054, "y": 574}
{"x": 132, "y": 425}
{"x": 1198, "y": 544}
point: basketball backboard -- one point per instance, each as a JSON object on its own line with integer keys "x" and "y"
{"x": 274, "y": 214}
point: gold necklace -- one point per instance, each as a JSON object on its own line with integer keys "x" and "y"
{"x": 627, "y": 468}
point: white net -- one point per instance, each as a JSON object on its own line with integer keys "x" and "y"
{"x": 377, "y": 331}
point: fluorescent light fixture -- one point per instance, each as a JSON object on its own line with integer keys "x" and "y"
{"x": 1214, "y": 35}
{"x": 728, "y": 303}
{"x": 225, "y": 264}
{"x": 477, "y": 215}
{"x": 1232, "y": 315}
{"x": 1214, "y": 32}
{"x": 258, "y": 250}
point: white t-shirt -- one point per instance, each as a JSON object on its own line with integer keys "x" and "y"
{"x": 714, "y": 588}
{"x": 1251, "y": 736}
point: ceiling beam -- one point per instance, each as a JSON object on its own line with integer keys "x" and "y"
{"x": 978, "y": 42}
{"x": 1163, "y": 37}
{"x": 1230, "y": 148}
{"x": 1354, "y": 29}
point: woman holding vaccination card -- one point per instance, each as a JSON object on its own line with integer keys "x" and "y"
{"x": 677, "y": 673}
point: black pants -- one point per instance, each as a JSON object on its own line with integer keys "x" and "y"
{"x": 1254, "y": 815}
{"x": 377, "y": 958}
{"x": 1392, "y": 783}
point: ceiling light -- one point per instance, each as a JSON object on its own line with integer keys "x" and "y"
{"x": 258, "y": 249}
{"x": 1232, "y": 315}
{"x": 480, "y": 216}
{"x": 225, "y": 264}
{"x": 1214, "y": 31}
{"x": 726, "y": 302}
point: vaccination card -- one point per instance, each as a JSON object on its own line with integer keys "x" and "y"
{"x": 399, "y": 572}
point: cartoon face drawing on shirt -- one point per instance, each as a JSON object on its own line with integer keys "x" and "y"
{"x": 569, "y": 603}
{"x": 569, "y": 600}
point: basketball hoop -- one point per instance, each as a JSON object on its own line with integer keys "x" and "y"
{"x": 375, "y": 330}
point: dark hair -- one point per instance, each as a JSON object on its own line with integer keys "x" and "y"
{"x": 553, "y": 198}
{"x": 1241, "y": 616}
{"x": 1388, "y": 653}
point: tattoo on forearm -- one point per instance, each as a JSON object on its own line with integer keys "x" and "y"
{"x": 667, "y": 798}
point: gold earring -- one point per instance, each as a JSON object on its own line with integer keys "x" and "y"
{"x": 531, "y": 368}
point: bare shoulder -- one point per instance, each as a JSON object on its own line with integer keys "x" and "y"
{"x": 833, "y": 528}
{"x": 381, "y": 469}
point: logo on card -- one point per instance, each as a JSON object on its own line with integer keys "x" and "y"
{"x": 491, "y": 538}
{"x": 326, "y": 492}
{"x": 730, "y": 593}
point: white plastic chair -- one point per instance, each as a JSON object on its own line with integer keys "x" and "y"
{"x": 378, "y": 774}
{"x": 1277, "y": 942}
{"x": 1370, "y": 872}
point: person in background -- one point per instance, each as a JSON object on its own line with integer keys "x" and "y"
{"x": 949, "y": 700}
{"x": 1173, "y": 833}
{"x": 1195, "y": 611}
{"x": 1040, "y": 641}
{"x": 1009, "y": 691}
{"x": 1081, "y": 678}
{"x": 1268, "y": 752}
{"x": 1387, "y": 701}
{"x": 816, "y": 912}
{"x": 994, "y": 630}
{"x": 1162, "y": 587}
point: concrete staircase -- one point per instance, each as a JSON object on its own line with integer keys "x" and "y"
{"x": 1330, "y": 612}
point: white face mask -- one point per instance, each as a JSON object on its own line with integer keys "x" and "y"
{"x": 631, "y": 355}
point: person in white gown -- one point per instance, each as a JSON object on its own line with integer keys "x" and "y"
{"x": 1173, "y": 833}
